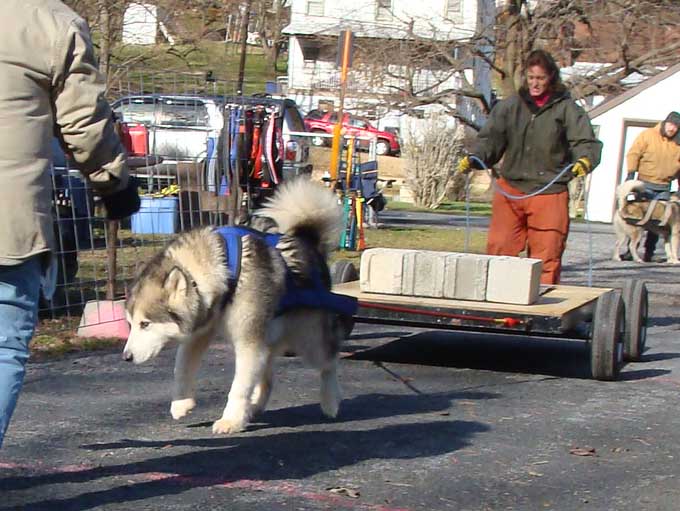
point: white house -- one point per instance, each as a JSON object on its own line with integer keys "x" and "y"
{"x": 617, "y": 122}
{"x": 313, "y": 76}
{"x": 142, "y": 25}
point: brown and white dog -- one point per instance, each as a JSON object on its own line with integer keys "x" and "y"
{"x": 183, "y": 296}
{"x": 664, "y": 220}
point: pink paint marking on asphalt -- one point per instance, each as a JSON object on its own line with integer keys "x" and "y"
{"x": 287, "y": 488}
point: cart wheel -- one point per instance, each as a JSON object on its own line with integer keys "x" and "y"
{"x": 606, "y": 348}
{"x": 344, "y": 271}
{"x": 634, "y": 296}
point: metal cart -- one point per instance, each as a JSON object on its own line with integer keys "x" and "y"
{"x": 612, "y": 321}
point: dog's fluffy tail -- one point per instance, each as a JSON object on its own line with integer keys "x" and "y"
{"x": 305, "y": 209}
{"x": 625, "y": 188}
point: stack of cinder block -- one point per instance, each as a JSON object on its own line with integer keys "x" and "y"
{"x": 451, "y": 275}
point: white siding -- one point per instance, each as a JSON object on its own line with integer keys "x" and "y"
{"x": 140, "y": 24}
{"x": 652, "y": 104}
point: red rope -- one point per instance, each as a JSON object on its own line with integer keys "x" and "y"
{"x": 508, "y": 322}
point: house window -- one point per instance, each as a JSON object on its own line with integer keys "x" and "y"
{"x": 315, "y": 8}
{"x": 454, "y": 9}
{"x": 383, "y": 10}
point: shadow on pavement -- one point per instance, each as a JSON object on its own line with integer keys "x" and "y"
{"x": 232, "y": 462}
{"x": 664, "y": 321}
{"x": 360, "y": 408}
{"x": 551, "y": 357}
{"x": 655, "y": 357}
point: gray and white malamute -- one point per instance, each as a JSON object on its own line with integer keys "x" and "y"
{"x": 265, "y": 292}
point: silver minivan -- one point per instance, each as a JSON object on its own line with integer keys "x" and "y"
{"x": 178, "y": 126}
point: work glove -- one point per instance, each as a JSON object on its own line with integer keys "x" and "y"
{"x": 466, "y": 164}
{"x": 124, "y": 203}
{"x": 581, "y": 167}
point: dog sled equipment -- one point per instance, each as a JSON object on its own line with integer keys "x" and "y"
{"x": 249, "y": 153}
{"x": 313, "y": 294}
{"x": 357, "y": 185}
{"x": 612, "y": 321}
{"x": 641, "y": 212}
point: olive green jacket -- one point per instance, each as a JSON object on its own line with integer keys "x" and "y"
{"x": 49, "y": 86}
{"x": 537, "y": 143}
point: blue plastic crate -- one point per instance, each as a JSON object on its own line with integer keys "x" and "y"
{"x": 157, "y": 215}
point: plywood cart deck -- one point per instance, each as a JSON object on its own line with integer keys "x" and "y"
{"x": 613, "y": 321}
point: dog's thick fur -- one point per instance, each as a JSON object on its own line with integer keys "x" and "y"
{"x": 631, "y": 234}
{"x": 179, "y": 297}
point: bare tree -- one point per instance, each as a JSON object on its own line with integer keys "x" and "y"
{"x": 431, "y": 159}
{"x": 271, "y": 18}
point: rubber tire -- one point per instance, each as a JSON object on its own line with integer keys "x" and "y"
{"x": 318, "y": 141}
{"x": 382, "y": 147}
{"x": 635, "y": 300}
{"x": 606, "y": 344}
{"x": 344, "y": 271}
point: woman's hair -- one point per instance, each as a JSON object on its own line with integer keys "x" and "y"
{"x": 543, "y": 59}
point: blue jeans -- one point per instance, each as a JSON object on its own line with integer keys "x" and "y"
{"x": 19, "y": 294}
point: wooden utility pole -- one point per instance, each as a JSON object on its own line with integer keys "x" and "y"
{"x": 245, "y": 17}
{"x": 344, "y": 60}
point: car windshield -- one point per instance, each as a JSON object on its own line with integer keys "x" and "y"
{"x": 358, "y": 123}
{"x": 140, "y": 110}
{"x": 183, "y": 113}
{"x": 294, "y": 119}
{"x": 315, "y": 114}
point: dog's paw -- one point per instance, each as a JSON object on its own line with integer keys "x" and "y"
{"x": 181, "y": 407}
{"x": 330, "y": 409}
{"x": 227, "y": 427}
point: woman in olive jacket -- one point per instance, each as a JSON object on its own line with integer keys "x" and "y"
{"x": 537, "y": 132}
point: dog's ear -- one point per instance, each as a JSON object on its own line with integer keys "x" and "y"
{"x": 176, "y": 285}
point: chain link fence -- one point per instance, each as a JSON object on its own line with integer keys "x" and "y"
{"x": 201, "y": 155}
{"x": 171, "y": 125}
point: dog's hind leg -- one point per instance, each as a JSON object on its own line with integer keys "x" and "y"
{"x": 616, "y": 256}
{"x": 187, "y": 361}
{"x": 671, "y": 247}
{"x": 330, "y": 389}
{"x": 263, "y": 389}
{"x": 251, "y": 362}
{"x": 633, "y": 245}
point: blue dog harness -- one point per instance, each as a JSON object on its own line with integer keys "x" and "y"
{"x": 314, "y": 296}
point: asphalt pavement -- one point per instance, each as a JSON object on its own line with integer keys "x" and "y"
{"x": 432, "y": 420}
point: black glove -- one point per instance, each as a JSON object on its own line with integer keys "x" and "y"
{"x": 631, "y": 175}
{"x": 124, "y": 203}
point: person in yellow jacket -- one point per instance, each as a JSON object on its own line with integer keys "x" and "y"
{"x": 655, "y": 158}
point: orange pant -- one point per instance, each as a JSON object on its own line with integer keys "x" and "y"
{"x": 540, "y": 224}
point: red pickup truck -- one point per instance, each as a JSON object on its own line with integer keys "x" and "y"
{"x": 318, "y": 121}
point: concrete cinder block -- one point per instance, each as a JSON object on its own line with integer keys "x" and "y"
{"x": 513, "y": 280}
{"x": 471, "y": 277}
{"x": 408, "y": 272}
{"x": 459, "y": 276}
{"x": 423, "y": 274}
{"x": 381, "y": 271}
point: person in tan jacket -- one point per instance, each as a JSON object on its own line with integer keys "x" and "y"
{"x": 655, "y": 158}
{"x": 49, "y": 86}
